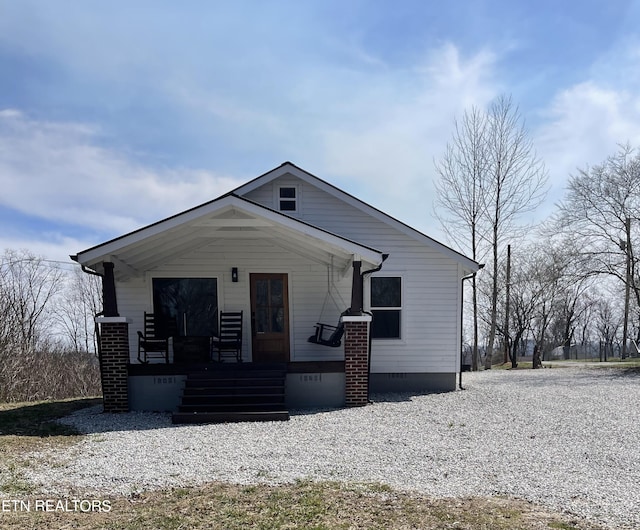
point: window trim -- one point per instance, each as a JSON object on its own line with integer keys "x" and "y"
{"x": 400, "y": 308}
{"x": 295, "y": 200}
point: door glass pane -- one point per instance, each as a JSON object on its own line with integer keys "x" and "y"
{"x": 276, "y": 292}
{"x": 186, "y": 306}
{"x": 269, "y": 305}
{"x": 262, "y": 319}
{"x": 277, "y": 319}
{"x": 262, "y": 292}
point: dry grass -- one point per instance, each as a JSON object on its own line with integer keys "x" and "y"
{"x": 28, "y": 427}
{"x": 308, "y": 505}
{"x": 301, "y": 505}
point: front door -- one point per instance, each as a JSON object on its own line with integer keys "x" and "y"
{"x": 269, "y": 317}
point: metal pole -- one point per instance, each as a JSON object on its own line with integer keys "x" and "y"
{"x": 506, "y": 318}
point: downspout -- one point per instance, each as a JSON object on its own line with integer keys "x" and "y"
{"x": 472, "y": 275}
{"x": 371, "y": 271}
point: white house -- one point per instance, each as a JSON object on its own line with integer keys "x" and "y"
{"x": 288, "y": 250}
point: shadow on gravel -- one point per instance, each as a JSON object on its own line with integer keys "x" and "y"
{"x": 632, "y": 372}
{"x": 389, "y": 397}
{"x": 39, "y": 419}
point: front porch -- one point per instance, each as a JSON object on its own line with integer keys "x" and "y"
{"x": 161, "y": 387}
{"x": 223, "y": 392}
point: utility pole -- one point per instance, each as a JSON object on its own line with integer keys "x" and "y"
{"x": 627, "y": 248}
{"x": 507, "y": 342}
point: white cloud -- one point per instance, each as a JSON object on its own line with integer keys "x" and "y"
{"x": 586, "y": 122}
{"x": 393, "y": 131}
{"x": 60, "y": 172}
{"x": 51, "y": 246}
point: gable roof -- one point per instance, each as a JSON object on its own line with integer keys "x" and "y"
{"x": 227, "y": 217}
{"x": 289, "y": 167}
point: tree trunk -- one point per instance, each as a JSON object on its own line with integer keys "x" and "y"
{"x": 474, "y": 355}
{"x": 537, "y": 363}
{"x": 494, "y": 301}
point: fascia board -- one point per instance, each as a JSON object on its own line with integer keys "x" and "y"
{"x": 101, "y": 252}
{"x": 113, "y": 246}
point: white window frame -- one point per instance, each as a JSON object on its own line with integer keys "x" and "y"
{"x": 295, "y": 200}
{"x": 390, "y": 274}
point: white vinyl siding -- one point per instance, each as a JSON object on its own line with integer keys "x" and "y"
{"x": 431, "y": 281}
{"x": 307, "y": 291}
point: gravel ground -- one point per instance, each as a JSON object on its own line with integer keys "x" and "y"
{"x": 563, "y": 438}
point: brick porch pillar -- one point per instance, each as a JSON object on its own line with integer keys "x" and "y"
{"x": 356, "y": 359}
{"x": 114, "y": 344}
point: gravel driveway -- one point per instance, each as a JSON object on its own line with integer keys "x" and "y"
{"x": 568, "y": 439}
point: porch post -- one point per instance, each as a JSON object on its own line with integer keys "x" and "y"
{"x": 114, "y": 357}
{"x": 109, "y": 301}
{"x": 356, "y": 359}
{"x": 356, "y": 289}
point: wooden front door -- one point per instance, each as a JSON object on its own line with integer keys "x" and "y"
{"x": 269, "y": 317}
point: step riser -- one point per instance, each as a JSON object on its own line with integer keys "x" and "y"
{"x": 231, "y": 374}
{"x": 232, "y": 395}
{"x": 223, "y": 400}
{"x": 232, "y": 391}
{"x": 240, "y": 407}
{"x": 232, "y": 383}
{"x": 223, "y": 417}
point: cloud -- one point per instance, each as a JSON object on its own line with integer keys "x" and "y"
{"x": 584, "y": 123}
{"x": 60, "y": 172}
{"x": 52, "y": 246}
{"x": 392, "y": 131}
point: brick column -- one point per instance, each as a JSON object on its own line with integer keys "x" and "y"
{"x": 356, "y": 359}
{"x": 114, "y": 343}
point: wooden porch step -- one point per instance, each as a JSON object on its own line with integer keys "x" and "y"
{"x": 229, "y": 407}
{"x": 227, "y": 417}
{"x": 237, "y": 374}
{"x": 231, "y": 390}
{"x": 224, "y": 383}
{"x": 223, "y": 399}
{"x": 233, "y": 394}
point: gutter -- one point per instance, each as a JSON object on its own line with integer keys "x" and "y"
{"x": 84, "y": 268}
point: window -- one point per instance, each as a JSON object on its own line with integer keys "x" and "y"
{"x": 288, "y": 199}
{"x": 386, "y": 306}
{"x": 185, "y": 306}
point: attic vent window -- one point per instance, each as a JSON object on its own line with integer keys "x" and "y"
{"x": 288, "y": 199}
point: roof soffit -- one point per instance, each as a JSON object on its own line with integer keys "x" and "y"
{"x": 231, "y": 217}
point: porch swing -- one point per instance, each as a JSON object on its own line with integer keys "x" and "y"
{"x": 335, "y": 333}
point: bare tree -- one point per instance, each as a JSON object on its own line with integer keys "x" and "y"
{"x": 28, "y": 286}
{"x": 75, "y": 310}
{"x": 608, "y": 321}
{"x": 517, "y": 186}
{"x": 602, "y": 210}
{"x": 36, "y": 362}
{"x": 463, "y": 171}
{"x": 489, "y": 177}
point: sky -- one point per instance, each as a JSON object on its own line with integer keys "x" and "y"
{"x": 117, "y": 114}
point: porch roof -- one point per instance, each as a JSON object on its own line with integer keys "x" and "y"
{"x": 229, "y": 217}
